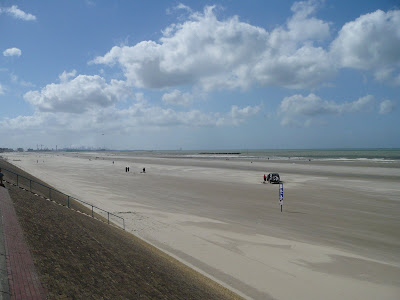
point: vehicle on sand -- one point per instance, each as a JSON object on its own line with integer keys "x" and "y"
{"x": 273, "y": 178}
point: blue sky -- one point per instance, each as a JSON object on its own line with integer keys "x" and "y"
{"x": 200, "y": 74}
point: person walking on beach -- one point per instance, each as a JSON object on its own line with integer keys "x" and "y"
{"x": 265, "y": 178}
{"x": 1, "y": 179}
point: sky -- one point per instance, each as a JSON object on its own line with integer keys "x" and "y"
{"x": 225, "y": 74}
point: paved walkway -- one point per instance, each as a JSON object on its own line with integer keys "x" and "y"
{"x": 18, "y": 277}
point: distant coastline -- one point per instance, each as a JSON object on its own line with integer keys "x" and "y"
{"x": 383, "y": 155}
{"x": 386, "y": 155}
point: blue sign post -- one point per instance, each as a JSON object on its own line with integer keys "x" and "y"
{"x": 281, "y": 195}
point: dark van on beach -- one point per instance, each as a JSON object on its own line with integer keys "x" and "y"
{"x": 273, "y": 178}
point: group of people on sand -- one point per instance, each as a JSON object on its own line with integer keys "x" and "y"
{"x": 267, "y": 178}
{"x": 127, "y": 170}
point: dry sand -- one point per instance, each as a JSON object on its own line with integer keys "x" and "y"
{"x": 338, "y": 236}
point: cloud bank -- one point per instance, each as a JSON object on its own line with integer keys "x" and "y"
{"x": 301, "y": 110}
{"x": 139, "y": 116}
{"x": 226, "y": 54}
{"x": 206, "y": 53}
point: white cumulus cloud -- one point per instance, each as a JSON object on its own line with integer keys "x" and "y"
{"x": 301, "y": 110}
{"x": 12, "y": 52}
{"x": 17, "y": 13}
{"x": 78, "y": 94}
{"x": 229, "y": 53}
{"x": 215, "y": 53}
{"x": 371, "y": 42}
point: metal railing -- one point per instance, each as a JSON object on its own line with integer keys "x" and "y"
{"x": 62, "y": 198}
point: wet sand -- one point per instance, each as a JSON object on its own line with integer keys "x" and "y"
{"x": 338, "y": 236}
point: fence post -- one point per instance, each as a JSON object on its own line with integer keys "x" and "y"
{"x": 17, "y": 179}
{"x": 108, "y": 217}
{"x": 30, "y": 184}
{"x": 123, "y": 222}
{"x": 68, "y": 201}
{"x": 49, "y": 193}
{"x": 92, "y": 212}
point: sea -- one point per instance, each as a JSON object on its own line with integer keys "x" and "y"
{"x": 378, "y": 155}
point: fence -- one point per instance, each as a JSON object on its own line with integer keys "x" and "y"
{"x": 60, "y": 197}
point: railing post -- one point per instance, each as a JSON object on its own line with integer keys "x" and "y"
{"x": 30, "y": 185}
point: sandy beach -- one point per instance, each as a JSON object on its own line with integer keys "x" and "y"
{"x": 338, "y": 236}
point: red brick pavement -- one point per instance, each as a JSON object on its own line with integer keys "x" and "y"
{"x": 23, "y": 279}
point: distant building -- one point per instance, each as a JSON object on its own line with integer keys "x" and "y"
{"x": 20, "y": 149}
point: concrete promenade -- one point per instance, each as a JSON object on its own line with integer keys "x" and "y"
{"x": 18, "y": 277}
